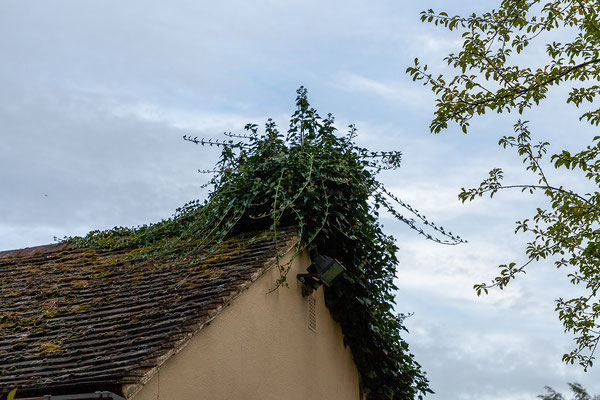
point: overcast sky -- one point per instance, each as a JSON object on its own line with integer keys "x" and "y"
{"x": 96, "y": 95}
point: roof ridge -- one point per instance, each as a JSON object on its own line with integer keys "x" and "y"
{"x": 38, "y": 250}
{"x": 58, "y": 247}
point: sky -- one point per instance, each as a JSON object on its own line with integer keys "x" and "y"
{"x": 96, "y": 96}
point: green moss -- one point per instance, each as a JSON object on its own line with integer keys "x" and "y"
{"x": 81, "y": 308}
{"x": 50, "y": 293}
{"x": 79, "y": 284}
{"x": 10, "y": 317}
{"x": 48, "y": 348}
{"x": 18, "y": 345}
{"x": 15, "y": 322}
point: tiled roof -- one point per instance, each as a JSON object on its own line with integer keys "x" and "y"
{"x": 74, "y": 318}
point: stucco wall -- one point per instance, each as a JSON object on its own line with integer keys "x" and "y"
{"x": 260, "y": 347}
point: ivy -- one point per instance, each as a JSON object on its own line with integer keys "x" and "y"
{"x": 325, "y": 185}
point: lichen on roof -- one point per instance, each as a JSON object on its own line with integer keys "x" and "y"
{"x": 90, "y": 316}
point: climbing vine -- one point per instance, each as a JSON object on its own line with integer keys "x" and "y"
{"x": 325, "y": 185}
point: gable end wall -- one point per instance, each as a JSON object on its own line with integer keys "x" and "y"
{"x": 260, "y": 347}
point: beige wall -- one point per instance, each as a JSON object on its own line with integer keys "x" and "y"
{"x": 260, "y": 347}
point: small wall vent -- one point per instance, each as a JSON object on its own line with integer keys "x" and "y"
{"x": 312, "y": 314}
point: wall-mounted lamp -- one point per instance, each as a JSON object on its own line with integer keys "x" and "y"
{"x": 323, "y": 270}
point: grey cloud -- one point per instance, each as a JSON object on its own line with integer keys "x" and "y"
{"x": 66, "y": 164}
{"x": 491, "y": 361}
{"x": 97, "y": 94}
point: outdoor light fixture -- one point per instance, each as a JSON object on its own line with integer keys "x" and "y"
{"x": 323, "y": 270}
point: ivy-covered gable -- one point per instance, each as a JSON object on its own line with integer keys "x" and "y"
{"x": 324, "y": 186}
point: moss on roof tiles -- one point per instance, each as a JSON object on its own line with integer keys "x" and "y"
{"x": 94, "y": 315}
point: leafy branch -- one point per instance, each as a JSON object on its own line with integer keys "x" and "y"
{"x": 488, "y": 75}
{"x": 568, "y": 231}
